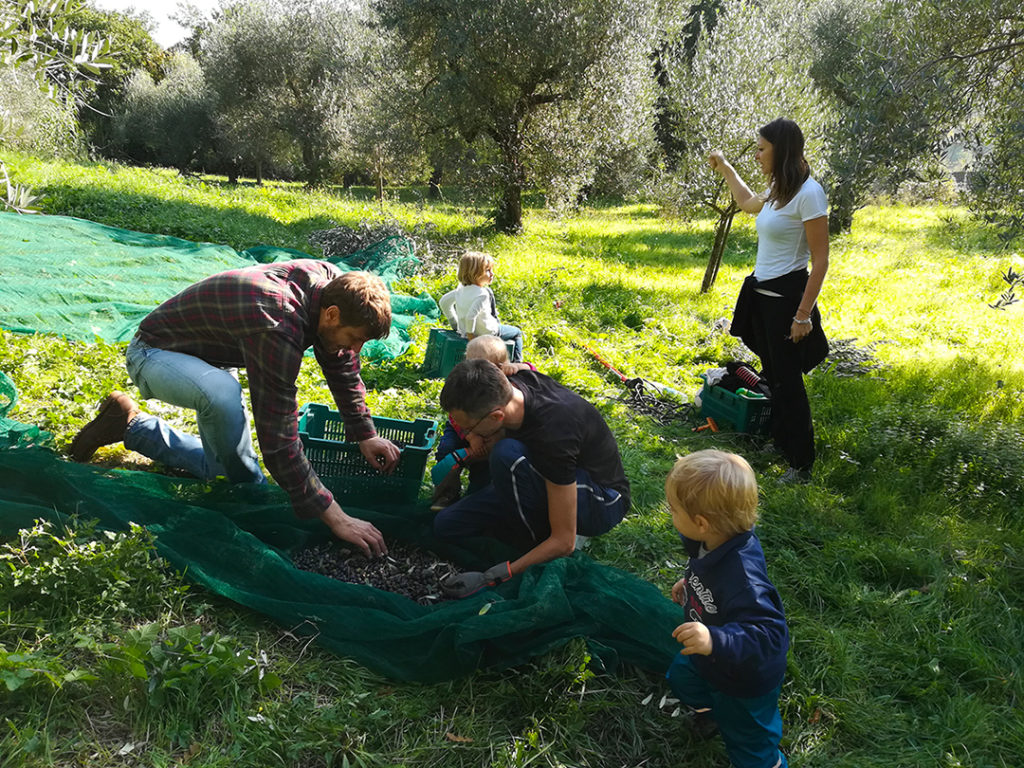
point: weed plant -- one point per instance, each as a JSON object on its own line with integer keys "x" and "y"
{"x": 899, "y": 565}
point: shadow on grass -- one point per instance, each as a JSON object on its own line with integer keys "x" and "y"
{"x": 233, "y": 226}
{"x": 932, "y": 436}
{"x": 943, "y": 228}
{"x": 966, "y": 234}
{"x": 645, "y": 245}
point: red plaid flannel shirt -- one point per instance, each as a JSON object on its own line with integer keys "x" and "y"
{"x": 263, "y": 318}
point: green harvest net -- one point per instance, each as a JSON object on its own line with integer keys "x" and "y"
{"x": 87, "y": 281}
{"x": 12, "y": 432}
{"x": 236, "y": 540}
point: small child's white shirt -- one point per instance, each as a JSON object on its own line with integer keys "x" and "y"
{"x": 468, "y": 308}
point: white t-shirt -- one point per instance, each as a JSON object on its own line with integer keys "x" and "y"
{"x": 468, "y": 309}
{"x": 781, "y": 239}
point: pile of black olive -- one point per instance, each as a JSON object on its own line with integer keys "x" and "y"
{"x": 403, "y": 570}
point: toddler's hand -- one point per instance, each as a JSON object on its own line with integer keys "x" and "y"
{"x": 695, "y": 637}
{"x": 679, "y": 590}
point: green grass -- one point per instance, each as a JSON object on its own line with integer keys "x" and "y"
{"x": 900, "y": 565}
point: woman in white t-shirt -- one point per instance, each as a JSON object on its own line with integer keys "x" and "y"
{"x": 776, "y": 315}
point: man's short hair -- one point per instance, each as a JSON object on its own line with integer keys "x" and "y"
{"x": 363, "y": 301}
{"x": 473, "y": 266}
{"x": 487, "y": 347}
{"x": 719, "y": 485}
{"x": 475, "y": 387}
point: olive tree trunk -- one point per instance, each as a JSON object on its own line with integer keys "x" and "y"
{"x": 725, "y": 217}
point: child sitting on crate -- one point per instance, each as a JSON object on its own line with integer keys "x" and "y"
{"x": 471, "y": 308}
{"x": 453, "y": 450}
{"x": 735, "y": 640}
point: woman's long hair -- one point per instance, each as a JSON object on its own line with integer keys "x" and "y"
{"x": 789, "y": 168}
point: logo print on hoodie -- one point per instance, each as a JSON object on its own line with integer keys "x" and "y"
{"x": 703, "y": 594}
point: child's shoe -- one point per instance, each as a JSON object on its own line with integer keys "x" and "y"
{"x": 704, "y": 725}
{"x": 447, "y": 492}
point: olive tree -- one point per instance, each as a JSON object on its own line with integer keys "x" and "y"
{"x": 744, "y": 72}
{"x": 38, "y": 43}
{"x": 903, "y": 76}
{"x": 170, "y": 122}
{"x": 130, "y": 36}
{"x": 884, "y": 122}
{"x": 982, "y": 47}
{"x": 41, "y": 35}
{"x": 287, "y": 73}
{"x": 542, "y": 89}
{"x": 388, "y": 138}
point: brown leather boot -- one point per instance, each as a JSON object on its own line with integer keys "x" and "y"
{"x": 109, "y": 426}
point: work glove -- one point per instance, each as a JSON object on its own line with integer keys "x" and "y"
{"x": 467, "y": 583}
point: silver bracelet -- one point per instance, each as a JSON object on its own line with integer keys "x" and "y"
{"x": 802, "y": 322}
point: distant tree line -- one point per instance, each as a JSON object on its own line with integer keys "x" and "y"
{"x": 572, "y": 98}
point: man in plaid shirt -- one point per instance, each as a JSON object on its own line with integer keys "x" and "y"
{"x": 261, "y": 318}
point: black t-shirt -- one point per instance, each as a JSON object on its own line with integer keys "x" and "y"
{"x": 564, "y": 432}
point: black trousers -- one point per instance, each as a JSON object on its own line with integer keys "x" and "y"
{"x": 782, "y": 364}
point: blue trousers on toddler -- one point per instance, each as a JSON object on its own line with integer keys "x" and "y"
{"x": 513, "y": 334}
{"x": 514, "y": 506}
{"x": 751, "y": 727}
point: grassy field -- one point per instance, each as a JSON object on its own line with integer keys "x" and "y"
{"x": 900, "y": 566}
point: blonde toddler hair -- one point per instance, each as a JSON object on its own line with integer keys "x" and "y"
{"x": 473, "y": 266}
{"x": 716, "y": 484}
{"x": 487, "y": 348}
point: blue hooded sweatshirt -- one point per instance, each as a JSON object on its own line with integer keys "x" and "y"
{"x": 729, "y": 591}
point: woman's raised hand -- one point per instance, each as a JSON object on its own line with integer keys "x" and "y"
{"x": 717, "y": 161}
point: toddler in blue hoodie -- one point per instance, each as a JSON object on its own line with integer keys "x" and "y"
{"x": 735, "y": 639}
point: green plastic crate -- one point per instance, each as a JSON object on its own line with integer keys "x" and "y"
{"x": 445, "y": 350}
{"x": 342, "y": 467}
{"x": 736, "y": 412}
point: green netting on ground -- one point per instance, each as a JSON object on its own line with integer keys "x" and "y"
{"x": 235, "y": 540}
{"x": 13, "y": 432}
{"x": 83, "y": 280}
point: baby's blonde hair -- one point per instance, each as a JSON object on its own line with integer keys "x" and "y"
{"x": 716, "y": 484}
{"x": 487, "y": 348}
{"x": 473, "y": 266}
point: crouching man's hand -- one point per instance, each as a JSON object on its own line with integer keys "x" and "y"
{"x": 355, "y": 531}
{"x": 381, "y": 454}
{"x": 467, "y": 583}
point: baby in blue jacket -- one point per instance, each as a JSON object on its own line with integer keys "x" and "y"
{"x": 735, "y": 638}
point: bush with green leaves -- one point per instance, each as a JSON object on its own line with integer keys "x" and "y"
{"x": 30, "y": 120}
{"x": 51, "y": 575}
{"x": 130, "y": 35}
{"x": 43, "y": 37}
{"x": 286, "y": 78}
{"x": 170, "y": 122}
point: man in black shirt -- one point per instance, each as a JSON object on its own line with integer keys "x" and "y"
{"x": 555, "y": 468}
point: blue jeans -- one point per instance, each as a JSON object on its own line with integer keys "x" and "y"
{"x": 224, "y": 445}
{"x": 514, "y": 507}
{"x": 751, "y": 727}
{"x": 511, "y": 333}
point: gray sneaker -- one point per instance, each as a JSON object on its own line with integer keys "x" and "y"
{"x": 794, "y": 476}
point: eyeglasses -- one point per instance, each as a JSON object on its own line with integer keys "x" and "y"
{"x": 478, "y": 422}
